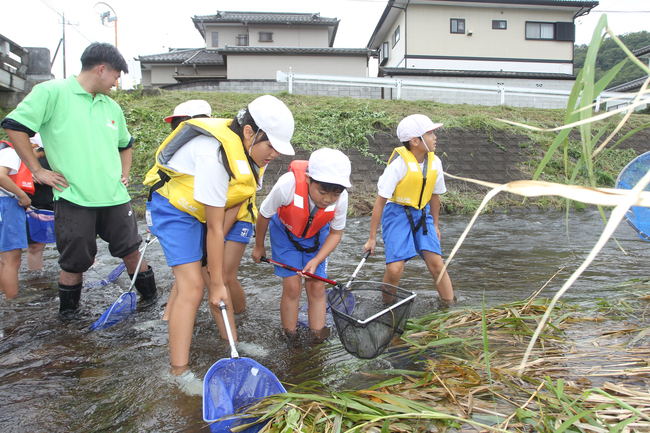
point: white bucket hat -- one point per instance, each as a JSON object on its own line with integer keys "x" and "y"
{"x": 330, "y": 166}
{"x": 275, "y": 119}
{"x": 191, "y": 108}
{"x": 415, "y": 125}
{"x": 36, "y": 139}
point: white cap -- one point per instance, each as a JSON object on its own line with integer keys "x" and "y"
{"x": 191, "y": 108}
{"x": 330, "y": 166}
{"x": 415, "y": 125}
{"x": 274, "y": 118}
{"x": 36, "y": 140}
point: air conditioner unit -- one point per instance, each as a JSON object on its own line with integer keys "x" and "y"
{"x": 383, "y": 54}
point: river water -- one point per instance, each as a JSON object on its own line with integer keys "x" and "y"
{"x": 59, "y": 376}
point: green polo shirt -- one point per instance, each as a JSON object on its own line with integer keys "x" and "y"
{"x": 81, "y": 136}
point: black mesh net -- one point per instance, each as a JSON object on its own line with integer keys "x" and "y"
{"x": 380, "y": 312}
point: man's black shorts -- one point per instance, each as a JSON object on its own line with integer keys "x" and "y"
{"x": 76, "y": 229}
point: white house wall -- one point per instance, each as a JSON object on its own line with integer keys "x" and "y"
{"x": 245, "y": 67}
{"x": 164, "y": 74}
{"x": 283, "y": 36}
{"x": 425, "y": 36}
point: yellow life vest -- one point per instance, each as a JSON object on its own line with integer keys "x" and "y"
{"x": 248, "y": 210}
{"x": 179, "y": 188}
{"x": 414, "y": 190}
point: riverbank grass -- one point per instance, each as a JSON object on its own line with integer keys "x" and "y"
{"x": 463, "y": 374}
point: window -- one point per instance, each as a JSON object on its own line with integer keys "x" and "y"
{"x": 499, "y": 25}
{"x": 266, "y": 36}
{"x": 544, "y": 31}
{"x": 383, "y": 53}
{"x": 242, "y": 40}
{"x": 457, "y": 25}
{"x": 215, "y": 39}
{"x": 396, "y": 36}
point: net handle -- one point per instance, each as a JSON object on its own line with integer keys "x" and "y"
{"x": 291, "y": 268}
{"x": 137, "y": 268}
{"x": 233, "y": 351}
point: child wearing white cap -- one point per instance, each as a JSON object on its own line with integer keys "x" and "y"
{"x": 305, "y": 213}
{"x": 204, "y": 171}
{"x": 408, "y": 204}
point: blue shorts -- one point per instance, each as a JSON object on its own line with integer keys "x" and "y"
{"x": 13, "y": 225}
{"x": 179, "y": 233}
{"x": 240, "y": 232}
{"x": 399, "y": 241}
{"x": 283, "y": 250}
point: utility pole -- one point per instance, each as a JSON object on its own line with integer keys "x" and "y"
{"x": 62, "y": 42}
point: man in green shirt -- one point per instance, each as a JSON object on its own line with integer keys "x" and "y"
{"x": 88, "y": 146}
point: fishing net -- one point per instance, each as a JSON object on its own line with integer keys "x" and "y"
{"x": 638, "y": 217}
{"x": 303, "y": 316}
{"x": 379, "y": 313}
{"x": 41, "y": 225}
{"x": 230, "y": 386}
{"x": 121, "y": 308}
{"x": 114, "y": 275}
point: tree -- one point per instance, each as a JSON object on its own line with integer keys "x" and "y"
{"x": 611, "y": 54}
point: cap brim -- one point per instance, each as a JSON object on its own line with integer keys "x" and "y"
{"x": 283, "y": 147}
{"x": 436, "y": 126}
{"x": 168, "y": 119}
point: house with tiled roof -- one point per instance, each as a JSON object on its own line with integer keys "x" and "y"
{"x": 254, "y": 46}
{"x": 513, "y": 43}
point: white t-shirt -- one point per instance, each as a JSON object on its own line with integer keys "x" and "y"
{"x": 283, "y": 192}
{"x": 396, "y": 171}
{"x": 201, "y": 158}
{"x": 10, "y": 159}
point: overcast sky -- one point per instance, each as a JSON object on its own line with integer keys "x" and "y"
{"x": 149, "y": 28}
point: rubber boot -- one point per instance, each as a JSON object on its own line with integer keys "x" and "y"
{"x": 145, "y": 283}
{"x": 69, "y": 299}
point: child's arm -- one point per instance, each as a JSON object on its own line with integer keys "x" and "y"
{"x": 215, "y": 238}
{"x": 377, "y": 212}
{"x": 332, "y": 240}
{"x": 434, "y": 210}
{"x": 9, "y": 185}
{"x": 261, "y": 226}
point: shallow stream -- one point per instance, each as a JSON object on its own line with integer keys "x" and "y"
{"x": 59, "y": 376}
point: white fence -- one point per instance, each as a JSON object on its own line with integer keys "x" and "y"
{"x": 399, "y": 84}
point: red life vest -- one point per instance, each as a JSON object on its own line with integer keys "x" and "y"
{"x": 23, "y": 178}
{"x": 296, "y": 217}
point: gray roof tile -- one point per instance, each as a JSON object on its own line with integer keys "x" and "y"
{"x": 198, "y": 56}
{"x": 266, "y": 17}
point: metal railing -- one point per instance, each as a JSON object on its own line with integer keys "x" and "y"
{"x": 398, "y": 84}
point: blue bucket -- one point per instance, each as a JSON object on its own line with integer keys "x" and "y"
{"x": 230, "y": 386}
{"x": 41, "y": 225}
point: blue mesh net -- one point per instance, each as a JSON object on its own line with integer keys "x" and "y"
{"x": 41, "y": 225}
{"x": 120, "y": 309}
{"x": 115, "y": 273}
{"x": 638, "y": 217}
{"x": 230, "y": 386}
{"x": 303, "y": 317}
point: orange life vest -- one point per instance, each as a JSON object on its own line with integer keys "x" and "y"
{"x": 296, "y": 216}
{"x": 23, "y": 178}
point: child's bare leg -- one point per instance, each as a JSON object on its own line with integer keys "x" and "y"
{"x": 435, "y": 264}
{"x": 317, "y": 304}
{"x": 170, "y": 302}
{"x": 392, "y": 276}
{"x": 35, "y": 256}
{"x": 232, "y": 255}
{"x": 190, "y": 288}
{"x": 291, "y": 290}
{"x": 10, "y": 264}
